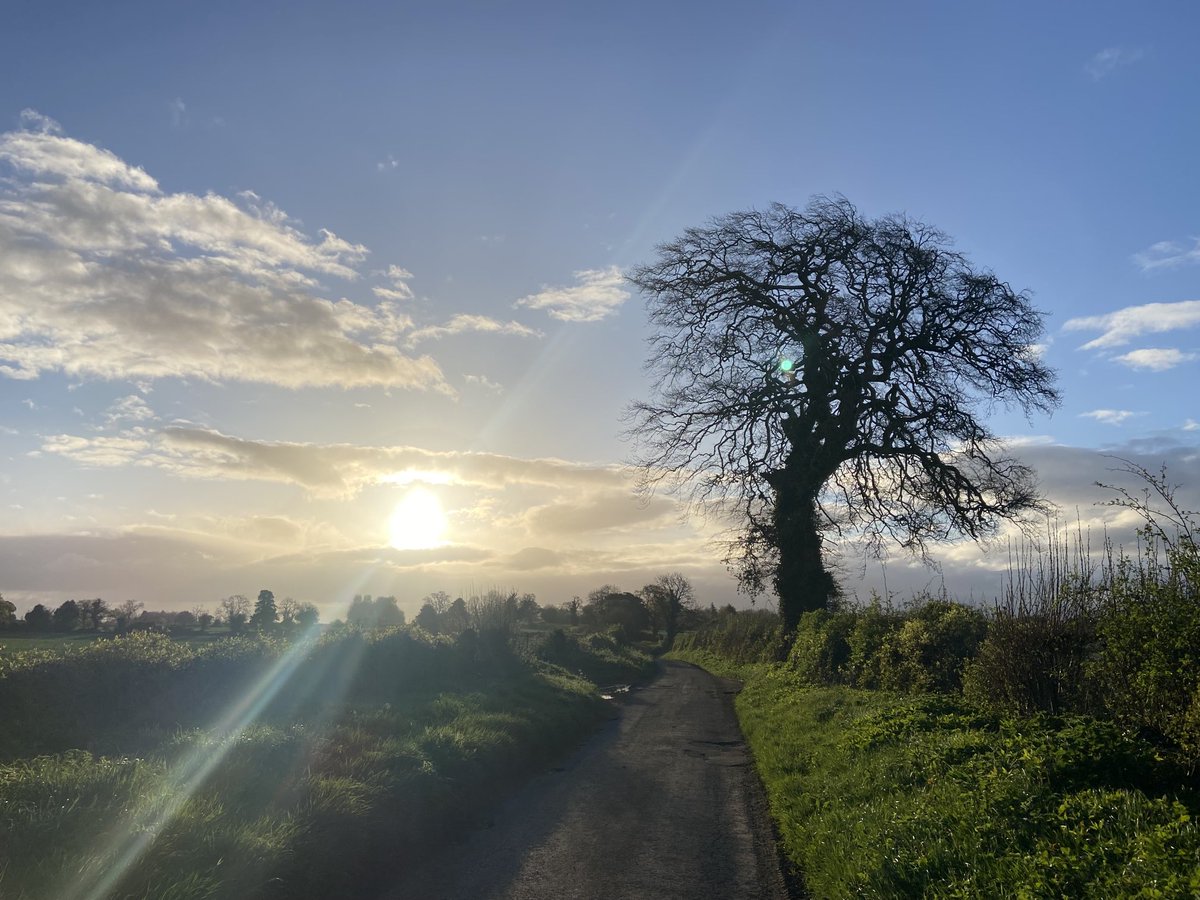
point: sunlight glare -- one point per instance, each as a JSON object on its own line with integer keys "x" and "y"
{"x": 418, "y": 521}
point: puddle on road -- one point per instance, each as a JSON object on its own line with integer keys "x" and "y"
{"x": 613, "y": 691}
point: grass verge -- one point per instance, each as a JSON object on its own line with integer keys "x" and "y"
{"x": 884, "y": 795}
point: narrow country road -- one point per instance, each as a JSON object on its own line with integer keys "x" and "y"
{"x": 662, "y": 803}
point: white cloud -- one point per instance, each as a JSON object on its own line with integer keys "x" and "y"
{"x": 465, "y": 323}
{"x": 597, "y": 296}
{"x": 1156, "y": 359}
{"x": 1121, "y": 326}
{"x": 1191, "y": 425}
{"x": 1110, "y": 416}
{"x": 1111, "y": 58}
{"x": 103, "y": 274}
{"x": 484, "y": 382}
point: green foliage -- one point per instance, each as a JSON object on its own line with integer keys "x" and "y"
{"x": 886, "y": 795}
{"x": 929, "y": 650}
{"x": 740, "y": 637}
{"x": 820, "y": 652}
{"x": 254, "y": 765}
{"x": 873, "y": 628}
{"x": 1147, "y": 669}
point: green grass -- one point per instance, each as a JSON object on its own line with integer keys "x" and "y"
{"x": 322, "y": 798}
{"x": 883, "y": 795}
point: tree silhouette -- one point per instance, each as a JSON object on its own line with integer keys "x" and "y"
{"x": 814, "y": 369}
{"x": 8, "y": 614}
{"x": 39, "y": 618}
{"x": 68, "y": 616}
{"x": 666, "y": 599}
{"x": 265, "y": 613}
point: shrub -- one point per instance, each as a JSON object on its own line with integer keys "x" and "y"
{"x": 1147, "y": 669}
{"x": 820, "y": 651}
{"x": 866, "y": 641}
{"x": 928, "y": 652}
{"x": 748, "y": 636}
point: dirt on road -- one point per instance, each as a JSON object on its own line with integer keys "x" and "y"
{"x": 662, "y": 803}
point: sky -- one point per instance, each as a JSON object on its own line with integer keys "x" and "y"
{"x": 329, "y": 298}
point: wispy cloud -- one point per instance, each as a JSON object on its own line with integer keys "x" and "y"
{"x": 1119, "y": 327}
{"x": 1111, "y": 58}
{"x": 131, "y": 408}
{"x": 104, "y": 274}
{"x": 1168, "y": 254}
{"x": 337, "y": 470}
{"x": 484, "y": 382}
{"x": 464, "y": 324}
{"x": 1110, "y": 416}
{"x": 178, "y": 109}
{"x": 597, "y": 295}
{"x": 399, "y": 289}
{"x": 1156, "y": 359}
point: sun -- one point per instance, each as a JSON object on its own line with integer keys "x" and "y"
{"x": 418, "y": 522}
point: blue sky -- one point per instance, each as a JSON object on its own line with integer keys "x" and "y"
{"x": 336, "y": 251}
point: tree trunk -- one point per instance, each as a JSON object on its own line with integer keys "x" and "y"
{"x": 801, "y": 580}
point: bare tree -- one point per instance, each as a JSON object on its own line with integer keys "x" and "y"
{"x": 815, "y": 370}
{"x": 126, "y": 613}
{"x": 235, "y": 609}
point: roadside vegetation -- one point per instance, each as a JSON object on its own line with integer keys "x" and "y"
{"x": 299, "y": 761}
{"x": 1048, "y": 747}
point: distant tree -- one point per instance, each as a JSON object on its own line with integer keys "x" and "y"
{"x": 126, "y": 613}
{"x": 428, "y": 619}
{"x": 39, "y": 619}
{"x": 816, "y": 370}
{"x": 93, "y": 614}
{"x": 68, "y": 616}
{"x": 235, "y": 610}
{"x": 456, "y": 619}
{"x": 265, "y": 614}
{"x": 666, "y": 599}
{"x": 287, "y": 611}
{"x": 439, "y": 600}
{"x": 573, "y": 608}
{"x": 307, "y": 615}
{"x": 202, "y": 617}
{"x": 608, "y": 606}
{"x": 380, "y": 612}
{"x": 388, "y": 613}
{"x": 8, "y": 615}
{"x": 183, "y": 621}
{"x": 528, "y": 609}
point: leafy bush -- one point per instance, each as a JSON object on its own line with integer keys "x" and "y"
{"x": 873, "y": 627}
{"x": 1147, "y": 668}
{"x": 820, "y": 650}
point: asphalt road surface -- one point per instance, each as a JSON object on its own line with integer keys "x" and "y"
{"x": 662, "y": 803}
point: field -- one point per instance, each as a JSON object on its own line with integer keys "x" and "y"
{"x": 256, "y": 766}
{"x": 11, "y": 644}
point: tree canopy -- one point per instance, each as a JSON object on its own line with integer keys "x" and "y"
{"x": 814, "y": 369}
